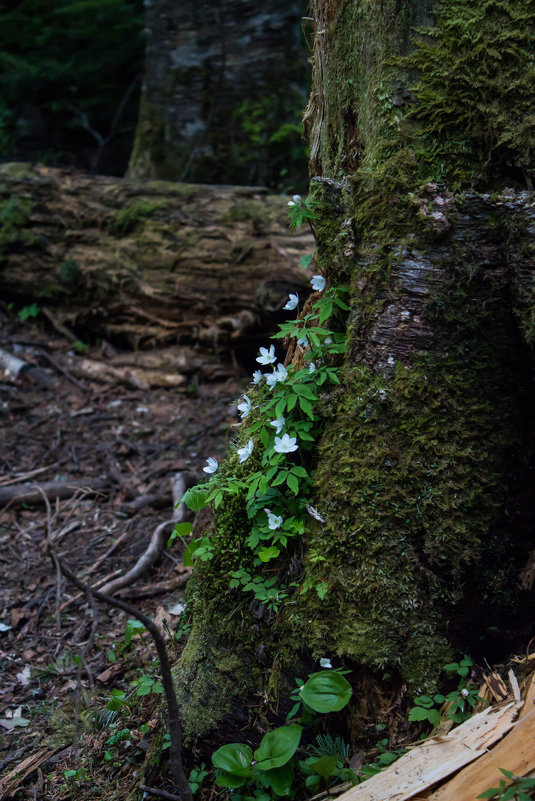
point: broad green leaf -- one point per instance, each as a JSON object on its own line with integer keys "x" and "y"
{"x": 230, "y": 780}
{"x": 195, "y": 498}
{"x": 278, "y": 746}
{"x": 325, "y": 766}
{"x": 233, "y": 758}
{"x": 278, "y": 779}
{"x": 327, "y": 691}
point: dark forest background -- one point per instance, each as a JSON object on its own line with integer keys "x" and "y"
{"x": 71, "y": 75}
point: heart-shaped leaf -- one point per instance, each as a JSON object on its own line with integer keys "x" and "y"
{"x": 278, "y": 746}
{"x": 327, "y": 691}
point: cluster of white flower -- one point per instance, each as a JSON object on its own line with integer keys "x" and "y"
{"x": 284, "y": 444}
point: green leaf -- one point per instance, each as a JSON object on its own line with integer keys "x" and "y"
{"x": 196, "y": 498}
{"x": 233, "y": 758}
{"x": 279, "y": 779}
{"x": 278, "y": 746}
{"x": 304, "y": 261}
{"x": 189, "y": 552}
{"x": 291, "y": 401}
{"x": 281, "y": 478}
{"x": 306, "y": 407}
{"x": 230, "y": 780}
{"x": 293, "y": 483}
{"x": 327, "y": 691}
{"x": 418, "y": 713}
{"x": 266, "y": 554}
{"x": 325, "y": 766}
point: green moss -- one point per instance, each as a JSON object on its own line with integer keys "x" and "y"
{"x": 474, "y": 94}
{"x": 251, "y": 209}
{"x": 126, "y": 219}
{"x": 14, "y": 218}
{"x": 211, "y": 677}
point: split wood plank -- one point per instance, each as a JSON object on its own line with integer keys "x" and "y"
{"x": 516, "y": 753}
{"x": 437, "y": 758}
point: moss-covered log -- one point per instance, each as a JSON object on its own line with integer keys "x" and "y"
{"x": 146, "y": 263}
{"x": 424, "y": 468}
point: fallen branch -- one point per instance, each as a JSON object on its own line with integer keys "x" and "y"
{"x": 27, "y": 493}
{"x": 173, "y": 712}
{"x": 158, "y": 540}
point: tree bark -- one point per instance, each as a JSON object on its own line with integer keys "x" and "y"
{"x": 424, "y": 470}
{"x": 220, "y": 78}
{"x": 147, "y": 264}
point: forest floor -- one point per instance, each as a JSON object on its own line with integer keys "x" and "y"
{"x": 127, "y": 439}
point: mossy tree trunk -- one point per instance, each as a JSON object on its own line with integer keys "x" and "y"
{"x": 421, "y": 163}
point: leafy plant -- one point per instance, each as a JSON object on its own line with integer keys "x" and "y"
{"x": 458, "y": 704}
{"x": 272, "y": 764}
{"x": 518, "y": 789}
{"x": 34, "y": 310}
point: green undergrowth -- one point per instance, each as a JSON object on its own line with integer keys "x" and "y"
{"x": 126, "y": 219}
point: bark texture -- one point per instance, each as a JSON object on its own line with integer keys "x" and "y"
{"x": 424, "y": 473}
{"x": 204, "y": 61}
{"x": 147, "y": 264}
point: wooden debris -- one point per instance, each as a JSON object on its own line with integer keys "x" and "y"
{"x": 437, "y": 758}
{"x": 515, "y": 753}
{"x": 12, "y": 780}
{"x": 496, "y": 685}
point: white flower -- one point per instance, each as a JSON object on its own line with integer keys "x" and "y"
{"x": 211, "y": 465}
{"x": 285, "y": 444}
{"x": 296, "y": 198}
{"x": 311, "y": 367}
{"x": 278, "y": 423}
{"x": 279, "y": 374}
{"x": 318, "y": 283}
{"x": 328, "y": 340}
{"x": 274, "y": 522}
{"x": 303, "y": 341}
{"x": 282, "y": 372}
{"x": 325, "y": 663}
{"x": 246, "y": 451}
{"x": 267, "y": 356}
{"x": 257, "y": 377}
{"x": 244, "y": 407}
{"x": 291, "y": 203}
{"x": 272, "y": 379}
{"x": 292, "y": 303}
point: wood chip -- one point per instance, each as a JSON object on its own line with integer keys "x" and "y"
{"x": 496, "y": 685}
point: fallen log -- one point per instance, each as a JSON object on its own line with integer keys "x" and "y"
{"x": 146, "y": 264}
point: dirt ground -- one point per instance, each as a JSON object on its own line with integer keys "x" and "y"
{"x": 60, "y": 659}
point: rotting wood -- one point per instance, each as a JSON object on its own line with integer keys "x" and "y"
{"x": 437, "y": 758}
{"x": 12, "y": 780}
{"x": 149, "y": 263}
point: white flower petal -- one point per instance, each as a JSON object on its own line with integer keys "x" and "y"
{"x": 244, "y": 407}
{"x": 278, "y": 423}
{"x": 292, "y": 303}
{"x": 318, "y": 283}
{"x": 325, "y": 663}
{"x": 285, "y": 444}
{"x": 246, "y": 451}
{"x": 257, "y": 377}
{"x": 211, "y": 465}
{"x": 267, "y": 356}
